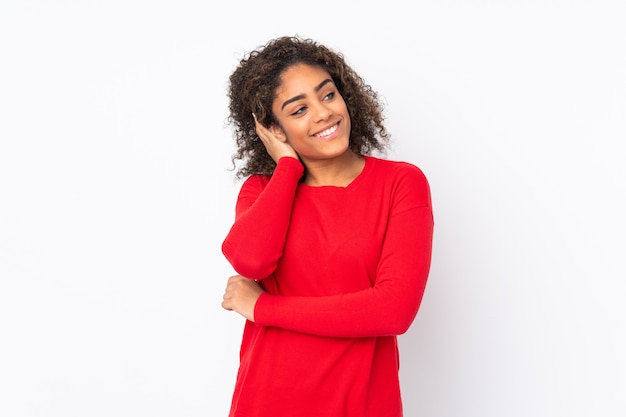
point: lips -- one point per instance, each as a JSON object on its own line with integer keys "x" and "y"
{"x": 327, "y": 132}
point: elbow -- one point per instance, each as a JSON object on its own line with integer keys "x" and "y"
{"x": 401, "y": 325}
{"x": 253, "y": 270}
{"x": 404, "y": 308}
{"x": 249, "y": 266}
{"x": 401, "y": 319}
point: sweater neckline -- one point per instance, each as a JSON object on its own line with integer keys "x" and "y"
{"x": 353, "y": 184}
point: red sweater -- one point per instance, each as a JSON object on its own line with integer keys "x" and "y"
{"x": 344, "y": 270}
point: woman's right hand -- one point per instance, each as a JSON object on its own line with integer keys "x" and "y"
{"x": 241, "y": 296}
{"x": 276, "y": 147}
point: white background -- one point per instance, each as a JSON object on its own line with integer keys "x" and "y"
{"x": 116, "y": 194}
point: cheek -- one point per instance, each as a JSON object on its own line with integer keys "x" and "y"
{"x": 296, "y": 132}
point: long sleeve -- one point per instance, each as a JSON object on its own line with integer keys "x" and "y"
{"x": 390, "y": 305}
{"x": 255, "y": 242}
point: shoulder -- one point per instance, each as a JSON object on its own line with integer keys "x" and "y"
{"x": 256, "y": 180}
{"x": 399, "y": 170}
{"x": 253, "y": 185}
{"x": 405, "y": 181}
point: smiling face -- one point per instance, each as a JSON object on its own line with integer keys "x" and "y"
{"x": 312, "y": 116}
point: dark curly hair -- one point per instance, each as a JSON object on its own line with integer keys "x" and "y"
{"x": 252, "y": 89}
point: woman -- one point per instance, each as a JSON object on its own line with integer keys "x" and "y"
{"x": 331, "y": 244}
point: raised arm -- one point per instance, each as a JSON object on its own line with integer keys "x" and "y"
{"x": 255, "y": 242}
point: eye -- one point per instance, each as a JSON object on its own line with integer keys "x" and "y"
{"x": 299, "y": 111}
{"x": 329, "y": 96}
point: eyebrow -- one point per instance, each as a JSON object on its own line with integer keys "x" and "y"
{"x": 301, "y": 96}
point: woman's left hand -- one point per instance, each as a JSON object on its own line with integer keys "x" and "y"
{"x": 241, "y": 296}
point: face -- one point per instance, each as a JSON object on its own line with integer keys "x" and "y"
{"x": 312, "y": 116}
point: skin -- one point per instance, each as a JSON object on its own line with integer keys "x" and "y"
{"x": 314, "y": 126}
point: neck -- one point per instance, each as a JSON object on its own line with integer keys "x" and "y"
{"x": 338, "y": 172}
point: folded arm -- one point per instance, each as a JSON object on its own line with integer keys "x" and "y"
{"x": 387, "y": 308}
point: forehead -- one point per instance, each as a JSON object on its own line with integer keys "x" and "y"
{"x": 301, "y": 78}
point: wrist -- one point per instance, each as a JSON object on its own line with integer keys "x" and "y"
{"x": 290, "y": 164}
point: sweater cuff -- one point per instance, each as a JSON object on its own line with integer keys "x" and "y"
{"x": 290, "y": 165}
{"x": 262, "y": 309}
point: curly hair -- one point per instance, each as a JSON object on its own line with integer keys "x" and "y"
{"x": 252, "y": 89}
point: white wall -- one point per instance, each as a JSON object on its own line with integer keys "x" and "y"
{"x": 115, "y": 197}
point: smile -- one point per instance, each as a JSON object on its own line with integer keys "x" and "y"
{"x": 327, "y": 132}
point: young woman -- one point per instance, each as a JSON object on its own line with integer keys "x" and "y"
{"x": 332, "y": 245}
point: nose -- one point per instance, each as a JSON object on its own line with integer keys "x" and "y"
{"x": 322, "y": 111}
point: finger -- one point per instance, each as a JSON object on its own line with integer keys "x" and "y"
{"x": 233, "y": 279}
{"x": 264, "y": 134}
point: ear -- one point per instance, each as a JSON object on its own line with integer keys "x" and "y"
{"x": 277, "y": 131}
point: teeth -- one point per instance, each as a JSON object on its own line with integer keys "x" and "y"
{"x": 327, "y": 131}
